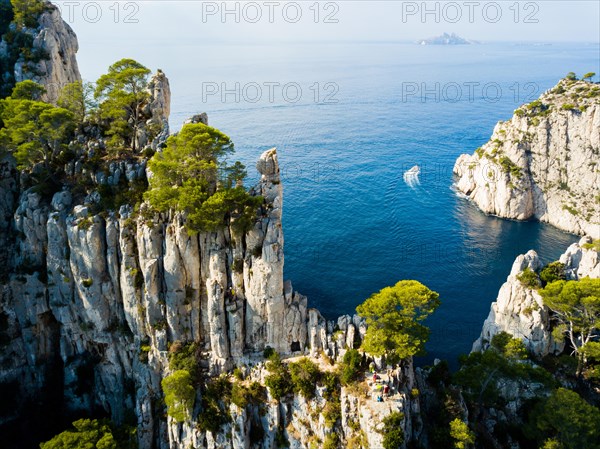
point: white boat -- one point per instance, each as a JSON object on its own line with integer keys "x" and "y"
{"x": 413, "y": 171}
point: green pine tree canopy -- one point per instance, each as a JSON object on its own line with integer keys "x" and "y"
{"x": 394, "y": 317}
{"x": 191, "y": 175}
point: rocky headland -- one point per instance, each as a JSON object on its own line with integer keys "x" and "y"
{"x": 543, "y": 163}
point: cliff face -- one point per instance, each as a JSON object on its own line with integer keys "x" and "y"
{"x": 92, "y": 301}
{"x": 56, "y": 45}
{"x": 544, "y": 163}
{"x": 302, "y": 422}
{"x": 519, "y": 310}
{"x": 56, "y": 38}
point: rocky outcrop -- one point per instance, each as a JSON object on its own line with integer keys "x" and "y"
{"x": 581, "y": 260}
{"x": 301, "y": 423}
{"x": 519, "y": 309}
{"x": 159, "y": 106}
{"x": 198, "y": 118}
{"x": 103, "y": 297}
{"x": 57, "y": 43}
{"x": 542, "y": 164}
{"x": 94, "y": 296}
{"x": 160, "y": 94}
{"x": 264, "y": 273}
{"x": 446, "y": 39}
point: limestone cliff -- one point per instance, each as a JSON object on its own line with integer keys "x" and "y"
{"x": 95, "y": 298}
{"x": 51, "y": 58}
{"x": 519, "y": 309}
{"x": 301, "y": 422}
{"x": 55, "y": 38}
{"x": 92, "y": 301}
{"x": 544, "y": 163}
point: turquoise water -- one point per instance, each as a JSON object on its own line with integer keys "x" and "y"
{"x": 352, "y": 225}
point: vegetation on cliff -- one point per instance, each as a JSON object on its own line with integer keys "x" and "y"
{"x": 525, "y": 401}
{"x": 16, "y": 19}
{"x": 576, "y": 306}
{"x": 565, "y": 420}
{"x": 570, "y": 94}
{"x": 122, "y": 93}
{"x": 179, "y": 395}
{"x": 113, "y": 121}
{"x": 506, "y": 359}
{"x": 514, "y": 398}
{"x": 34, "y": 131}
{"x": 393, "y": 436}
{"x": 191, "y": 175}
{"x": 461, "y": 434}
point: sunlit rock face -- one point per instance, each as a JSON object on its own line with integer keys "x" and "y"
{"x": 99, "y": 298}
{"x": 55, "y": 39}
{"x": 542, "y": 164}
{"x": 520, "y": 311}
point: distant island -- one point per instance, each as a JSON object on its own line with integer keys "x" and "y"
{"x": 446, "y": 39}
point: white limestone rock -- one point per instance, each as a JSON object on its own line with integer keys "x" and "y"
{"x": 181, "y": 262}
{"x": 56, "y": 38}
{"x": 198, "y": 118}
{"x": 520, "y": 311}
{"x": 263, "y": 268}
{"x": 94, "y": 291}
{"x": 160, "y": 98}
{"x": 213, "y": 259}
{"x": 581, "y": 262}
{"x": 159, "y": 107}
{"x": 30, "y": 220}
{"x": 542, "y": 164}
{"x": 131, "y": 277}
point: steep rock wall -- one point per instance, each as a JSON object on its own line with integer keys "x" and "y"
{"x": 99, "y": 298}
{"x": 542, "y": 164}
{"x": 56, "y": 40}
{"x": 520, "y": 311}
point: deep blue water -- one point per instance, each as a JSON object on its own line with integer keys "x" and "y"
{"x": 352, "y": 225}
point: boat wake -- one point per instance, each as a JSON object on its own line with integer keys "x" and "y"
{"x": 411, "y": 177}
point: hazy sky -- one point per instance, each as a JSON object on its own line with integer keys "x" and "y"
{"x": 107, "y": 27}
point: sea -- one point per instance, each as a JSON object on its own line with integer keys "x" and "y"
{"x": 348, "y": 120}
